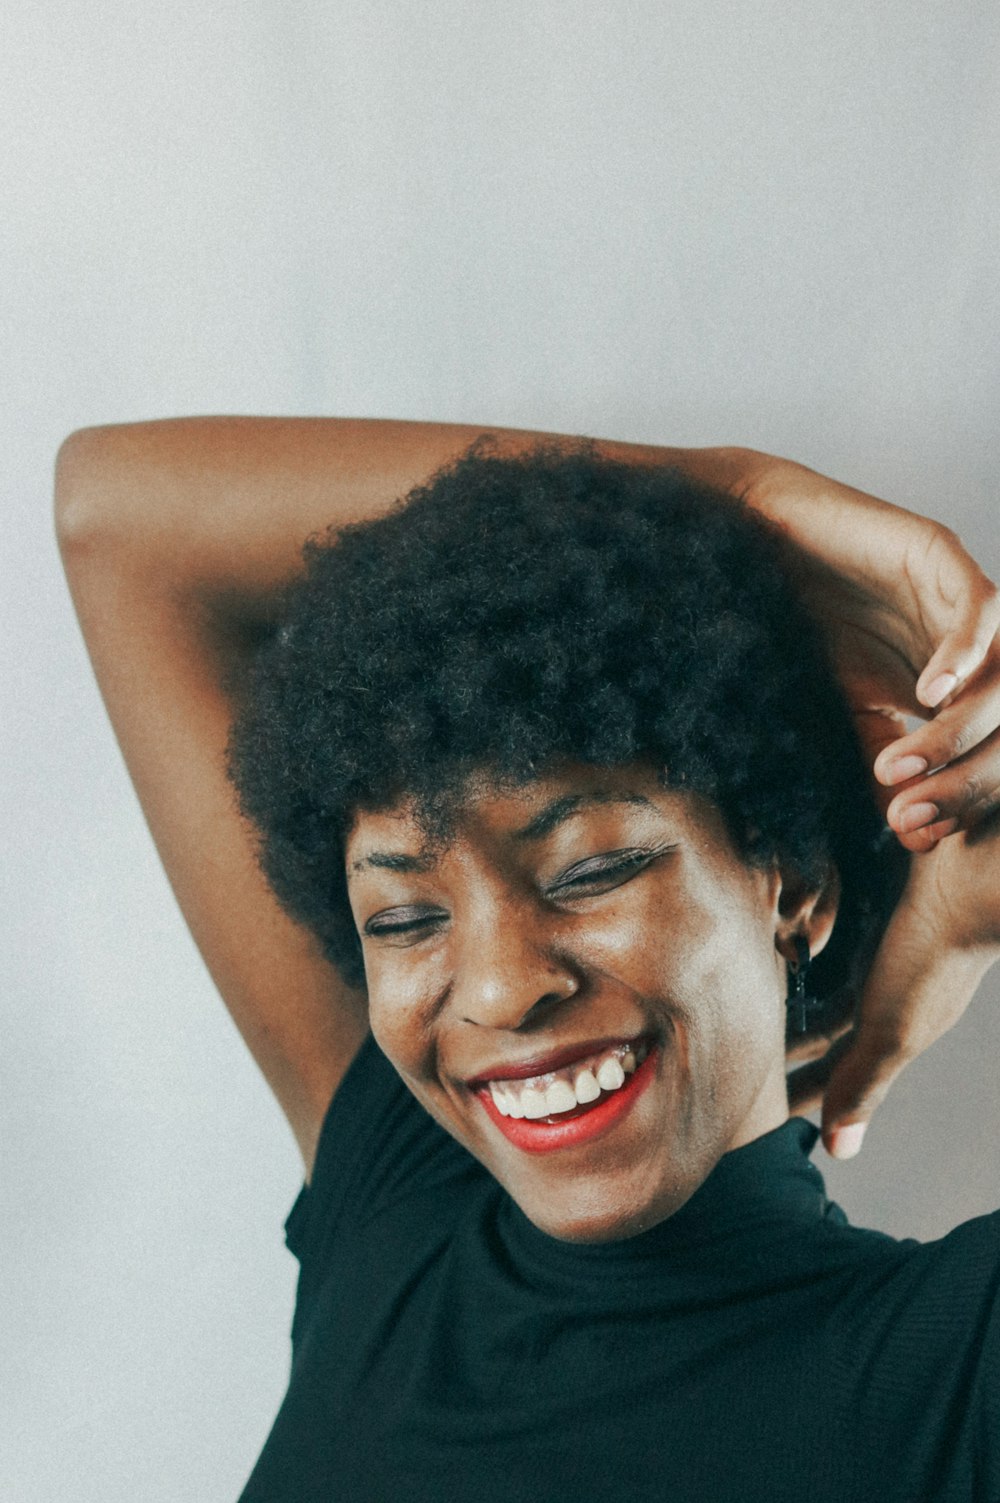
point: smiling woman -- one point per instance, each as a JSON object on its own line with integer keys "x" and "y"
{"x": 560, "y": 787}
{"x": 641, "y": 628}
{"x": 540, "y": 961}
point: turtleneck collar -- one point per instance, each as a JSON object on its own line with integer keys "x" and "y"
{"x": 763, "y": 1190}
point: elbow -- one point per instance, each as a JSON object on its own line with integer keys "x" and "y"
{"x": 84, "y": 490}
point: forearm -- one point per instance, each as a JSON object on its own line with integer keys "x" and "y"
{"x": 224, "y": 504}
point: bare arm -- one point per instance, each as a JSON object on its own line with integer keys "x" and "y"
{"x": 176, "y": 536}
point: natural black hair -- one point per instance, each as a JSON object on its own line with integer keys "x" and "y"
{"x": 520, "y": 610}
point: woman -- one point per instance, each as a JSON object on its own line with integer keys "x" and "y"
{"x": 558, "y": 792}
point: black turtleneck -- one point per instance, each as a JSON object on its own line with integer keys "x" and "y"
{"x": 754, "y": 1346}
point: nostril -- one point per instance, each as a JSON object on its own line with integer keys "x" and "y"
{"x": 544, "y": 1005}
{"x": 506, "y": 1004}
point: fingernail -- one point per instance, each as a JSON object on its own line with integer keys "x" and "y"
{"x": 939, "y": 689}
{"x": 846, "y": 1142}
{"x": 903, "y": 768}
{"x": 916, "y": 816}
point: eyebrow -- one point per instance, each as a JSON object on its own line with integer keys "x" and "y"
{"x": 393, "y": 861}
{"x": 561, "y": 809}
{"x": 544, "y": 822}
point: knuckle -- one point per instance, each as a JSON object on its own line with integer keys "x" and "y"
{"x": 947, "y": 537}
{"x": 962, "y": 737}
{"x": 983, "y": 807}
{"x": 974, "y": 791}
{"x": 976, "y": 794}
{"x": 985, "y": 609}
{"x": 989, "y": 594}
{"x": 951, "y": 735}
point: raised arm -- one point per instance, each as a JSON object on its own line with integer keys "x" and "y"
{"x": 177, "y": 536}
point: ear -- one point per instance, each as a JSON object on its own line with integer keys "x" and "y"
{"x": 804, "y": 909}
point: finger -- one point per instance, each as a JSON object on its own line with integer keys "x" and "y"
{"x": 858, "y": 1084}
{"x": 965, "y": 647}
{"x": 956, "y": 730}
{"x": 920, "y": 841}
{"x": 891, "y": 1027}
{"x": 804, "y": 1048}
{"x": 807, "y": 1084}
{"x": 965, "y": 792}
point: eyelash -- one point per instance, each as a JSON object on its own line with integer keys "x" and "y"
{"x": 598, "y": 873}
{"x": 632, "y": 860}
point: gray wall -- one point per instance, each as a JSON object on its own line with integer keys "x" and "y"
{"x": 693, "y": 222}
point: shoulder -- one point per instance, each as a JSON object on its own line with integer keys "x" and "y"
{"x": 958, "y": 1275}
{"x": 915, "y": 1327}
{"x": 873, "y": 1272}
{"x": 377, "y": 1147}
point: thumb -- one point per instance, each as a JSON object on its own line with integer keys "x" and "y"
{"x": 964, "y": 648}
{"x": 882, "y": 1042}
{"x": 857, "y": 1086}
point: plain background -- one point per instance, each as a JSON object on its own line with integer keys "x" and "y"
{"x": 690, "y": 222}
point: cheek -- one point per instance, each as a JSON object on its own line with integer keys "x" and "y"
{"x": 706, "y": 953}
{"x": 737, "y": 1032}
{"x": 400, "y": 1018}
{"x": 664, "y": 942}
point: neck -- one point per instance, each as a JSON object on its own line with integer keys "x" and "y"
{"x": 768, "y": 1111}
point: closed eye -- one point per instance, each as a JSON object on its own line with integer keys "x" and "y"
{"x": 599, "y": 874}
{"x": 607, "y": 871}
{"x": 378, "y": 928}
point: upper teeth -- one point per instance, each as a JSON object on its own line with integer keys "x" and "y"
{"x": 562, "y": 1090}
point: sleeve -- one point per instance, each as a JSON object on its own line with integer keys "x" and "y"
{"x": 931, "y": 1358}
{"x": 377, "y": 1144}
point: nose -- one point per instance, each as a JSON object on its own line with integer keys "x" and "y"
{"x": 510, "y": 972}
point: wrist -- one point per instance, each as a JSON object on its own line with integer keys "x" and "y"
{"x": 780, "y": 490}
{"x": 760, "y": 480}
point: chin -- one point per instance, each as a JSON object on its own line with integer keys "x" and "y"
{"x": 592, "y": 1219}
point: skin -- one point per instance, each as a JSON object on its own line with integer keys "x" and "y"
{"x": 943, "y": 937}
{"x": 179, "y": 537}
{"x": 503, "y": 961}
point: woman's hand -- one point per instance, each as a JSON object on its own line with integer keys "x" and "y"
{"x": 912, "y": 624}
{"x": 942, "y": 938}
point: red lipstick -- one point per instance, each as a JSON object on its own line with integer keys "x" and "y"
{"x": 543, "y": 1137}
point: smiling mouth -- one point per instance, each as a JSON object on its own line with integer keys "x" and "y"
{"x": 558, "y": 1095}
{"x": 580, "y": 1123}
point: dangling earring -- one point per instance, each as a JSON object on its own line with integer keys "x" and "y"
{"x": 799, "y": 1002}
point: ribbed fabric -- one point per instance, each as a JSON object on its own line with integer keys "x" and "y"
{"x": 754, "y": 1346}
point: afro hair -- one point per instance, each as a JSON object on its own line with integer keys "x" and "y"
{"x": 518, "y": 611}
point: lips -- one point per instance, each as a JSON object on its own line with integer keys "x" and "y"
{"x": 583, "y": 1125}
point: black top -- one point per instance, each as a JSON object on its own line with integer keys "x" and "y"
{"x": 754, "y": 1346}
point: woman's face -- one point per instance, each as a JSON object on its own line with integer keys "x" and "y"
{"x": 592, "y": 945}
